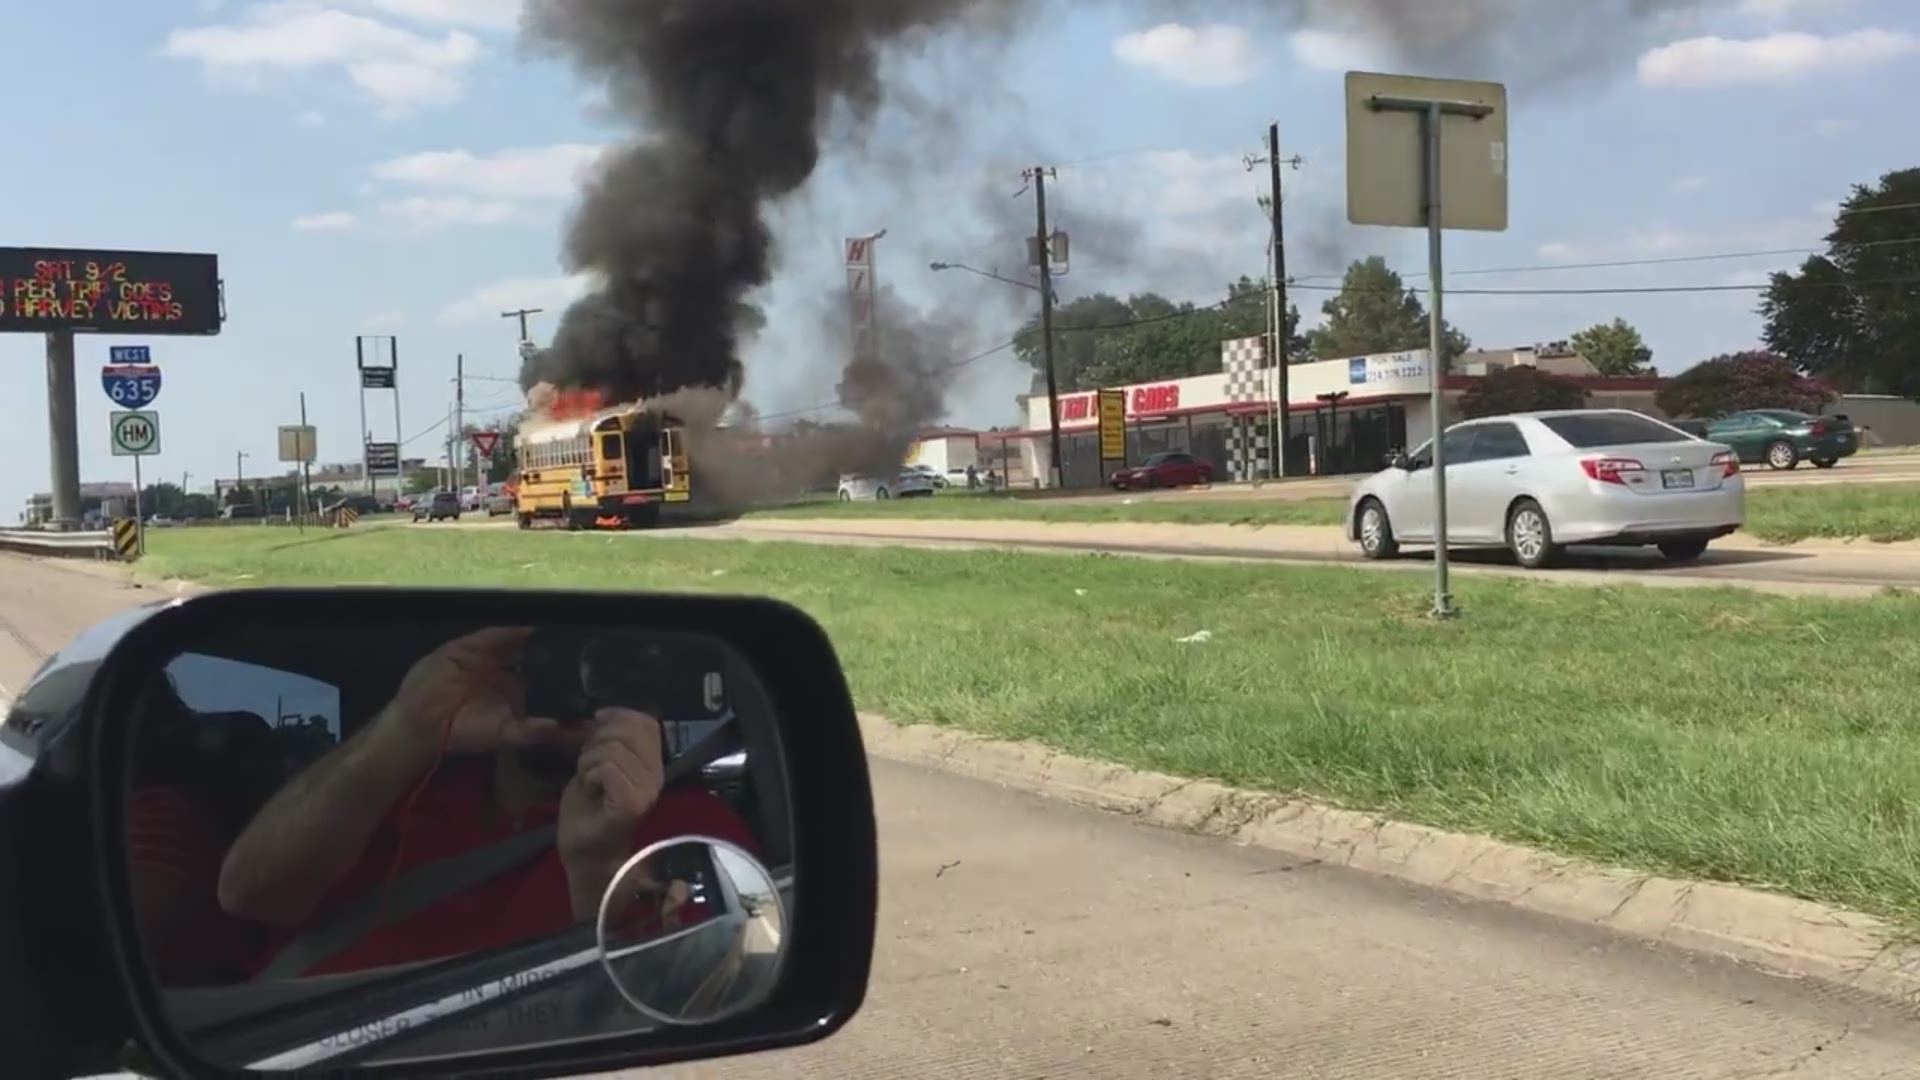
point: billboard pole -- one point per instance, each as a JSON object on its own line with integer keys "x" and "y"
{"x": 360, "y": 364}
{"x": 63, "y": 430}
{"x": 399, "y": 440}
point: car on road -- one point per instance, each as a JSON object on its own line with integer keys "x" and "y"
{"x": 1535, "y": 483}
{"x": 1171, "y": 469}
{"x": 906, "y": 484}
{"x": 500, "y": 502}
{"x": 441, "y": 506}
{"x": 1784, "y": 438}
{"x": 240, "y": 512}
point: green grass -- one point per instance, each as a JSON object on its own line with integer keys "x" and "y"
{"x": 1708, "y": 733}
{"x": 1782, "y": 515}
{"x": 1880, "y": 512}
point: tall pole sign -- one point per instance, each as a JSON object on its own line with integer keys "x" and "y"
{"x": 378, "y": 360}
{"x": 1432, "y": 154}
{"x": 862, "y": 294}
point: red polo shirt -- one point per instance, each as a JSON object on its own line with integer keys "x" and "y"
{"x": 455, "y": 813}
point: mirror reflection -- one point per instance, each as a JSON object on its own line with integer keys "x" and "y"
{"x": 692, "y": 931}
{"x": 417, "y": 825}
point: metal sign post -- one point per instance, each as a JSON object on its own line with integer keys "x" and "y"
{"x": 1396, "y": 179}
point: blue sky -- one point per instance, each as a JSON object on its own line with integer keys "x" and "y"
{"x": 402, "y": 167}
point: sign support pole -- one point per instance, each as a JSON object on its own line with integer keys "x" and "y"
{"x": 399, "y": 438}
{"x": 63, "y": 430}
{"x": 1436, "y": 359}
{"x": 139, "y": 510}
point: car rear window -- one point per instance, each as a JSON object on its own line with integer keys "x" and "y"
{"x": 1585, "y": 430}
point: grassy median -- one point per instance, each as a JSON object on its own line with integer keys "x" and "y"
{"x": 1714, "y": 733}
{"x": 1781, "y": 515}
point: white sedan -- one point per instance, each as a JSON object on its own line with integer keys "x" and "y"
{"x": 1536, "y": 482}
{"x": 908, "y": 484}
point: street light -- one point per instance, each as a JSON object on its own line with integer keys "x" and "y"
{"x": 983, "y": 273}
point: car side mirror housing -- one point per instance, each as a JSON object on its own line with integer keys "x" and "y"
{"x": 1399, "y": 460}
{"x": 681, "y": 861}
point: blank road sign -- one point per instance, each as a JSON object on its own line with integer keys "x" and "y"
{"x": 1386, "y": 153}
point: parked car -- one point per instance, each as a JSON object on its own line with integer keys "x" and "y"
{"x": 907, "y": 484}
{"x": 1783, "y": 438}
{"x": 500, "y": 503}
{"x": 441, "y": 506}
{"x": 933, "y": 475}
{"x": 1537, "y": 482}
{"x": 1171, "y": 469}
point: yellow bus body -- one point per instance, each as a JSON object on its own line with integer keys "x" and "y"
{"x": 614, "y": 468}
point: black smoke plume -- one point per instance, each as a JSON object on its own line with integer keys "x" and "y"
{"x": 734, "y": 96}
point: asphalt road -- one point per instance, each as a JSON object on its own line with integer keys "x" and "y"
{"x": 1024, "y": 938}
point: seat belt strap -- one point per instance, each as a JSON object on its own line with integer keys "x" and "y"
{"x": 411, "y": 892}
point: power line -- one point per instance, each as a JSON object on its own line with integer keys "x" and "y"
{"x": 1629, "y": 290}
{"x": 1669, "y": 260}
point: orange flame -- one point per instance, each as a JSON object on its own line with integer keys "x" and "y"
{"x": 576, "y": 404}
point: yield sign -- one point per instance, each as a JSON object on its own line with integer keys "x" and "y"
{"x": 485, "y": 442}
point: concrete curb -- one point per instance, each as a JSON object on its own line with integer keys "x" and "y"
{"x": 1788, "y": 936}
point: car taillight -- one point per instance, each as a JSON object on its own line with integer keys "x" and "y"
{"x": 1816, "y": 428}
{"x": 1610, "y": 470}
{"x": 1729, "y": 464}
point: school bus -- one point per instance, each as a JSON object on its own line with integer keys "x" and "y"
{"x": 615, "y": 469}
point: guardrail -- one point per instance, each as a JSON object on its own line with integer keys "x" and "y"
{"x": 101, "y": 544}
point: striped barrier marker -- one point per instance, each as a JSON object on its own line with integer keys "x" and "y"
{"x": 126, "y": 539}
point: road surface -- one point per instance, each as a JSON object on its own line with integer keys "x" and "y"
{"x": 1024, "y": 938}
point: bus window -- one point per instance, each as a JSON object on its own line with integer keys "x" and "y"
{"x": 610, "y": 451}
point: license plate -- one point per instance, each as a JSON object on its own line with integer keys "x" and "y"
{"x": 1676, "y": 478}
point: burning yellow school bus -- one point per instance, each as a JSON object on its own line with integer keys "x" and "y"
{"x": 608, "y": 468}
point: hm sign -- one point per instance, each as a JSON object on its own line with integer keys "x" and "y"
{"x": 135, "y": 434}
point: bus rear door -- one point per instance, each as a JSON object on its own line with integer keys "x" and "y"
{"x": 675, "y": 478}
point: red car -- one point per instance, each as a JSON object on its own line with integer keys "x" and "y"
{"x": 1172, "y": 469}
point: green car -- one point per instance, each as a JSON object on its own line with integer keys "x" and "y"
{"x": 1783, "y": 438}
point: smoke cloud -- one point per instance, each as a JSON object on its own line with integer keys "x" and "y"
{"x": 735, "y": 96}
{"x": 738, "y": 98}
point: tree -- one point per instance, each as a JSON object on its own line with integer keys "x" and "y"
{"x": 1740, "y": 381}
{"x": 1615, "y": 348}
{"x": 1102, "y": 340}
{"x": 1375, "y": 312}
{"x": 1520, "y": 389}
{"x": 1852, "y": 315}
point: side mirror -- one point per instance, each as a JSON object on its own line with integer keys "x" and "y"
{"x": 373, "y": 830}
{"x": 1399, "y": 460}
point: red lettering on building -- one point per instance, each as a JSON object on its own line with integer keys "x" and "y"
{"x": 1079, "y": 407}
{"x": 1149, "y": 400}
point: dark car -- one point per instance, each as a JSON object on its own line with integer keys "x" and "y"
{"x": 1783, "y": 438}
{"x": 1171, "y": 469}
{"x": 441, "y": 506}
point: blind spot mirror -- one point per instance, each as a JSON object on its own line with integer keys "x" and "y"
{"x": 693, "y": 931}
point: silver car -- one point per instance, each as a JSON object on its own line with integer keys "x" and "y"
{"x": 1537, "y": 482}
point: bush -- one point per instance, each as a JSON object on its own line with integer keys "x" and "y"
{"x": 1740, "y": 381}
{"x": 1520, "y": 389}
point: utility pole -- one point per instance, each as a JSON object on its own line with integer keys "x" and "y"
{"x": 459, "y": 419}
{"x": 240, "y": 475}
{"x": 522, "y": 315}
{"x": 306, "y": 465}
{"x": 1038, "y": 175}
{"x": 1277, "y": 294}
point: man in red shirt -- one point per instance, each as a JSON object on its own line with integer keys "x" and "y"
{"x": 450, "y": 766}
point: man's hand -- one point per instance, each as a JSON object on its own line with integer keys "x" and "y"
{"x": 617, "y": 782}
{"x": 467, "y": 695}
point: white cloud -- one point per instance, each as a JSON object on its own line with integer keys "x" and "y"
{"x": 1833, "y": 125}
{"x": 1333, "y": 50}
{"x": 1557, "y": 251}
{"x": 385, "y": 320}
{"x": 489, "y": 300}
{"x": 331, "y": 221}
{"x": 1683, "y": 185}
{"x": 487, "y": 14}
{"x": 399, "y": 69}
{"x": 312, "y": 118}
{"x": 1213, "y": 55}
{"x": 526, "y": 172}
{"x": 1776, "y": 58}
{"x": 425, "y": 212}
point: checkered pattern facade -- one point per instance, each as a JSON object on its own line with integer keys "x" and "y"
{"x": 1249, "y": 442}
